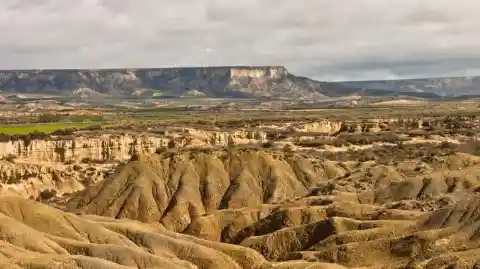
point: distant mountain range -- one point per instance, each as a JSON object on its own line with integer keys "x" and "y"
{"x": 235, "y": 82}
{"x": 449, "y": 87}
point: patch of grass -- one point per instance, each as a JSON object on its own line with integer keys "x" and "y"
{"x": 47, "y": 118}
{"x": 42, "y": 128}
{"x": 83, "y": 119}
{"x": 159, "y": 116}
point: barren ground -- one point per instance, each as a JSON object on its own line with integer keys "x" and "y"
{"x": 351, "y": 188}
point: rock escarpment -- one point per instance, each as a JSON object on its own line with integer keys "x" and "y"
{"x": 269, "y": 81}
{"x": 45, "y": 181}
{"x": 221, "y": 81}
{"x": 119, "y": 147}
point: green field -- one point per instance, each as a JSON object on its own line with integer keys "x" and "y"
{"x": 44, "y": 128}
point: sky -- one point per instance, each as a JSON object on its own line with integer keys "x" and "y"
{"x": 323, "y": 39}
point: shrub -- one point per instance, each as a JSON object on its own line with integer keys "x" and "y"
{"x": 161, "y": 150}
{"x": 47, "y": 194}
{"x": 268, "y": 144}
{"x": 288, "y": 148}
{"x": 10, "y": 158}
{"x": 94, "y": 127}
{"x": 48, "y": 118}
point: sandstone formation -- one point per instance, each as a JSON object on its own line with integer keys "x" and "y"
{"x": 34, "y": 181}
{"x": 117, "y": 146}
{"x": 121, "y": 145}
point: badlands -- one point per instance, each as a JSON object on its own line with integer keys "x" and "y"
{"x": 303, "y": 193}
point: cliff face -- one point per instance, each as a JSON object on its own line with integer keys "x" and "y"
{"x": 109, "y": 147}
{"x": 120, "y": 147}
{"x": 172, "y": 82}
{"x": 100, "y": 148}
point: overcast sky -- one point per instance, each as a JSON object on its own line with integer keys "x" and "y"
{"x": 323, "y": 39}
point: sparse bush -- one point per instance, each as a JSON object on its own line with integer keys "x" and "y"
{"x": 367, "y": 155}
{"x": 161, "y": 150}
{"x": 201, "y": 150}
{"x": 69, "y": 162}
{"x": 10, "y": 158}
{"x": 230, "y": 143}
{"x": 48, "y": 194}
{"x": 94, "y": 127}
{"x": 67, "y": 131}
{"x": 213, "y": 141}
{"x": 315, "y": 143}
{"x": 367, "y": 139}
{"x": 389, "y": 154}
{"x": 275, "y": 136}
{"x": 160, "y": 132}
{"x": 447, "y": 145}
{"x": 77, "y": 167}
{"x": 86, "y": 160}
{"x": 340, "y": 142}
{"x": 471, "y": 147}
{"x": 49, "y": 118}
{"x": 288, "y": 148}
{"x": 268, "y": 144}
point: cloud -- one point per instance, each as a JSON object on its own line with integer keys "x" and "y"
{"x": 327, "y": 40}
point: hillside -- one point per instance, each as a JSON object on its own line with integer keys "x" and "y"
{"x": 293, "y": 209}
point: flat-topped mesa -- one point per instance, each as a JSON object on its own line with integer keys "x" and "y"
{"x": 214, "y": 72}
{"x": 218, "y": 81}
{"x": 272, "y": 72}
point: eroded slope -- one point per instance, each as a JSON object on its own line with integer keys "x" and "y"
{"x": 290, "y": 207}
{"x": 38, "y": 236}
{"x": 175, "y": 187}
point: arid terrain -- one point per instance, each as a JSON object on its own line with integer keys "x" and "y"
{"x": 390, "y": 185}
{"x": 236, "y": 168}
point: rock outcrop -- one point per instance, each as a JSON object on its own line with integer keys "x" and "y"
{"x": 45, "y": 181}
{"x": 120, "y": 147}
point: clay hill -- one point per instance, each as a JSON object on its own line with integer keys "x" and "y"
{"x": 255, "y": 208}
